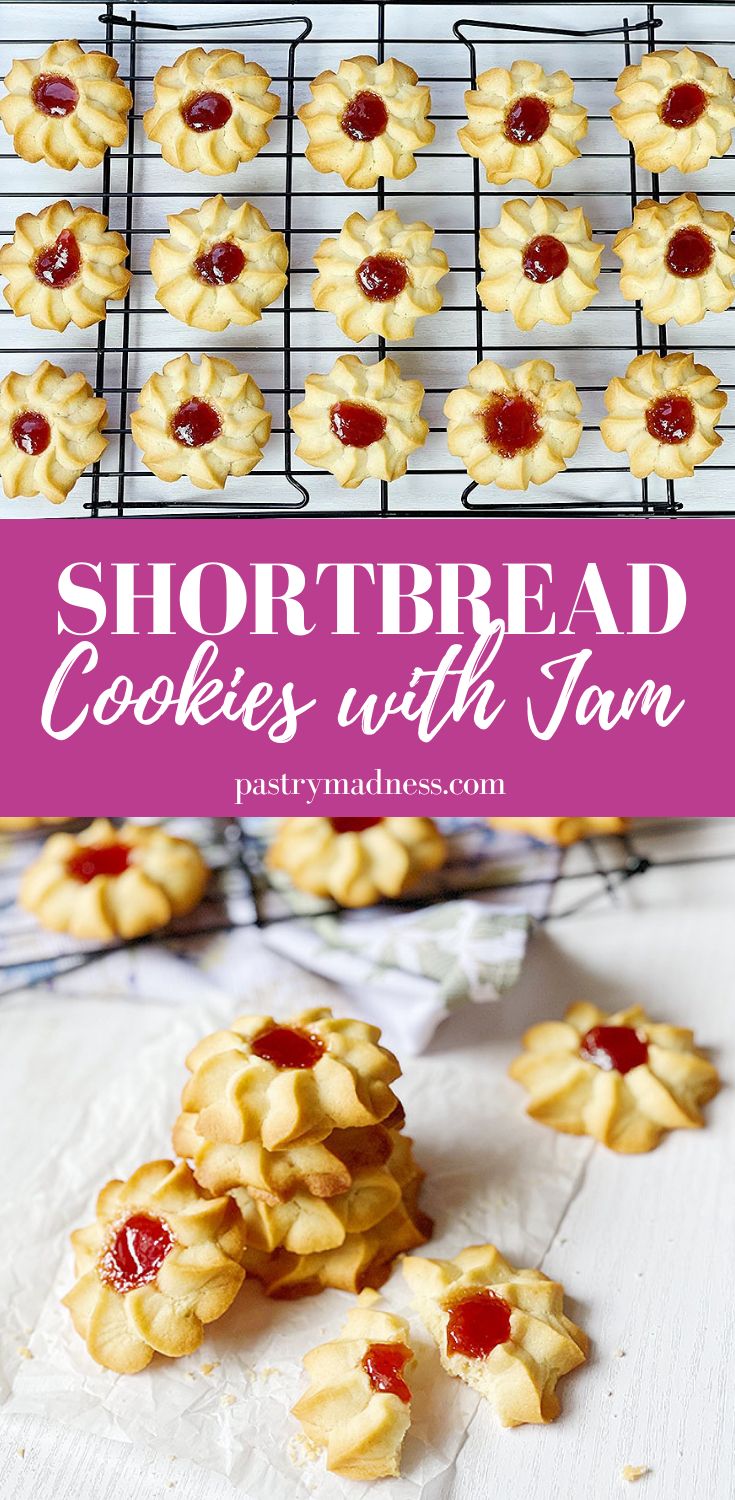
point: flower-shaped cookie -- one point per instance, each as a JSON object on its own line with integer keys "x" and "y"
{"x": 159, "y": 1262}
{"x": 379, "y": 275}
{"x": 677, "y": 108}
{"x": 523, "y": 123}
{"x": 621, "y": 1078}
{"x": 359, "y": 421}
{"x": 322, "y": 1169}
{"x": 290, "y": 1082}
{"x": 502, "y": 1330}
{"x": 357, "y": 861}
{"x": 218, "y": 265}
{"x": 366, "y": 120}
{"x": 663, "y": 414}
{"x": 203, "y": 421}
{"x": 358, "y": 1403}
{"x": 63, "y": 266}
{"x": 112, "y": 882}
{"x": 540, "y": 262}
{"x": 211, "y": 111}
{"x": 514, "y": 427}
{"x": 362, "y": 1260}
{"x": 49, "y": 431}
{"x": 65, "y": 107}
{"x": 677, "y": 259}
{"x": 306, "y": 1225}
{"x": 562, "y": 831}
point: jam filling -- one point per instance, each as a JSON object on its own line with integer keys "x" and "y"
{"x": 670, "y": 419}
{"x": 353, "y": 825}
{"x": 383, "y": 1365}
{"x": 55, "y": 95}
{"x": 221, "y": 264}
{"x": 511, "y": 425}
{"x": 381, "y": 277}
{"x": 683, "y": 105}
{"x": 105, "y": 859}
{"x": 285, "y": 1047}
{"x": 206, "y": 112}
{"x": 544, "y": 258}
{"x": 137, "y": 1253}
{"x": 477, "y": 1324}
{"x": 526, "y": 120}
{"x": 355, "y": 425}
{"x": 690, "y": 252}
{"x": 31, "y": 432}
{"x": 365, "y": 116}
{"x": 195, "y": 423}
{"x": 59, "y": 264}
{"x": 614, "y": 1048}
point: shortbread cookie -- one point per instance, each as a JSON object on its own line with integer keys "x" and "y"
{"x": 362, "y": 1260}
{"x": 663, "y": 414}
{"x": 360, "y": 421}
{"x": 66, "y": 106}
{"x": 677, "y": 109}
{"x": 159, "y": 1262}
{"x": 211, "y": 111}
{"x": 562, "y": 831}
{"x": 63, "y": 266}
{"x": 540, "y": 261}
{"x": 323, "y": 1169}
{"x": 291, "y": 1082}
{"x": 621, "y": 1078}
{"x": 306, "y": 1225}
{"x": 356, "y": 861}
{"x": 218, "y": 265}
{"x": 49, "y": 431}
{"x": 501, "y": 1330}
{"x": 677, "y": 260}
{"x": 514, "y": 427}
{"x": 112, "y": 882}
{"x": 523, "y": 123}
{"x": 358, "y": 1402}
{"x": 203, "y": 422}
{"x": 379, "y": 276}
{"x": 366, "y": 120}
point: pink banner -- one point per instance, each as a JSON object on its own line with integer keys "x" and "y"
{"x": 329, "y": 666}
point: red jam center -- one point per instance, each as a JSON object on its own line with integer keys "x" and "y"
{"x": 615, "y": 1048}
{"x": 365, "y": 116}
{"x": 544, "y": 258}
{"x": 59, "y": 264}
{"x": 353, "y": 825}
{"x": 683, "y": 105}
{"x": 285, "y": 1047}
{"x": 511, "y": 425}
{"x": 137, "y": 1253}
{"x": 477, "y": 1324}
{"x": 383, "y": 1364}
{"x": 689, "y": 252}
{"x": 381, "y": 277}
{"x": 206, "y": 112}
{"x": 195, "y": 423}
{"x": 221, "y": 264}
{"x": 55, "y": 95}
{"x": 105, "y": 859}
{"x": 670, "y": 419}
{"x": 527, "y": 120}
{"x": 355, "y": 425}
{"x": 31, "y": 432}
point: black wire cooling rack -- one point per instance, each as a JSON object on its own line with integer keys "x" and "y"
{"x": 129, "y": 345}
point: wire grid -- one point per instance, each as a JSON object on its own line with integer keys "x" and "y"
{"x": 290, "y": 341}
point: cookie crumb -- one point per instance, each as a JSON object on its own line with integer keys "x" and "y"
{"x": 211, "y": 1365}
{"x": 302, "y": 1450}
{"x": 21, "y": 1452}
{"x": 24, "y": 1352}
{"x": 228, "y": 1400}
{"x": 618, "y": 1354}
{"x": 631, "y": 1472}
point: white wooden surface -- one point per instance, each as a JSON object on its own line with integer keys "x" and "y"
{"x": 645, "y": 1247}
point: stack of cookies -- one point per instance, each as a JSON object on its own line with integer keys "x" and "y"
{"x": 299, "y": 1124}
